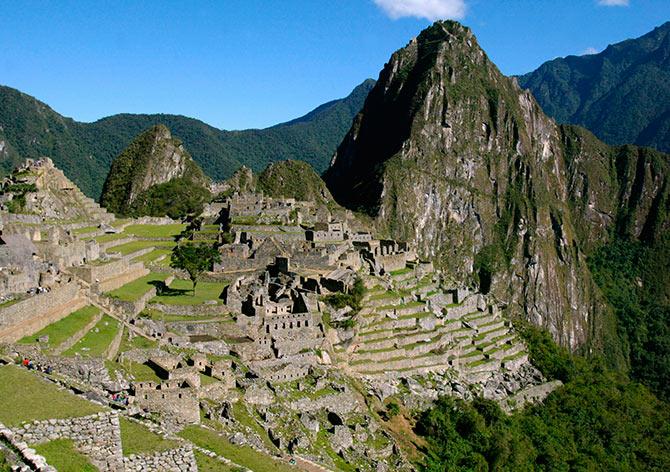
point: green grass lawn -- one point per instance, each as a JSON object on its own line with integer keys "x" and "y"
{"x": 134, "y": 246}
{"x": 105, "y": 238}
{"x": 402, "y": 271}
{"x": 135, "y": 289}
{"x": 155, "y": 231}
{"x": 153, "y": 255}
{"x": 180, "y": 293}
{"x": 96, "y": 341}
{"x": 63, "y": 455}
{"x": 61, "y": 330}
{"x": 138, "y": 439}
{"x": 138, "y": 342}
{"x": 243, "y": 455}
{"x": 211, "y": 464}
{"x": 85, "y": 229}
{"x": 24, "y": 396}
{"x": 158, "y": 315}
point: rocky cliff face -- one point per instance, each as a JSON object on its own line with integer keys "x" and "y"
{"x": 450, "y": 154}
{"x": 152, "y": 159}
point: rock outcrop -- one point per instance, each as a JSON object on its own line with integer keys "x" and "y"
{"x": 153, "y": 158}
{"x": 452, "y": 155}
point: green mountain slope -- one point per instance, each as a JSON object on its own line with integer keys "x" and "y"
{"x": 621, "y": 94}
{"x": 29, "y": 128}
{"x": 153, "y": 176}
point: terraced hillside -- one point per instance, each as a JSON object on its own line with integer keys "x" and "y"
{"x": 410, "y": 325}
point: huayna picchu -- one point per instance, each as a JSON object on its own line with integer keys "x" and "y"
{"x": 446, "y": 298}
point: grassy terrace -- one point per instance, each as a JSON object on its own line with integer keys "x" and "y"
{"x": 138, "y": 439}
{"x": 243, "y": 455}
{"x": 134, "y": 246}
{"x": 158, "y": 315}
{"x": 24, "y": 396}
{"x": 134, "y": 290}
{"x": 383, "y": 295}
{"x": 155, "y": 231}
{"x": 403, "y": 271}
{"x": 10, "y": 302}
{"x": 105, "y": 238}
{"x": 139, "y": 372}
{"x": 180, "y": 293}
{"x": 212, "y": 464}
{"x": 138, "y": 342}
{"x": 63, "y": 455}
{"x": 85, "y": 229}
{"x": 96, "y": 341}
{"x": 61, "y": 330}
{"x": 153, "y": 256}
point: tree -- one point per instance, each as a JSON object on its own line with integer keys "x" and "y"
{"x": 194, "y": 259}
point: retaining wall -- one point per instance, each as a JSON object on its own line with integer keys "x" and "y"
{"x": 98, "y": 436}
{"x": 180, "y": 459}
{"x": 32, "y": 314}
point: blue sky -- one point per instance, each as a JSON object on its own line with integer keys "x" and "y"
{"x": 252, "y": 63}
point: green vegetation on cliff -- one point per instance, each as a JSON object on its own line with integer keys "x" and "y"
{"x": 293, "y": 179}
{"x": 621, "y": 94}
{"x": 598, "y": 420}
{"x": 635, "y": 280}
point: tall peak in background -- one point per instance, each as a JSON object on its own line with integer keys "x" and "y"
{"x": 452, "y": 155}
{"x": 621, "y": 94}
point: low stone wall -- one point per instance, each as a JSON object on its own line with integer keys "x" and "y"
{"x": 190, "y": 310}
{"x": 131, "y": 308}
{"x": 27, "y": 454}
{"x": 89, "y": 370}
{"x": 468, "y": 306}
{"x": 18, "y": 218}
{"x": 101, "y": 272}
{"x": 34, "y": 313}
{"x": 98, "y": 436}
{"x": 116, "y": 242}
{"x": 134, "y": 272}
{"x": 180, "y": 459}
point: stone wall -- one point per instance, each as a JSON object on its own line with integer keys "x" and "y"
{"x": 27, "y": 454}
{"x": 181, "y": 459}
{"x": 101, "y": 272}
{"x": 135, "y": 271}
{"x": 125, "y": 308}
{"x": 116, "y": 242}
{"x": 180, "y": 403}
{"x": 190, "y": 310}
{"x": 32, "y": 314}
{"x": 98, "y": 436}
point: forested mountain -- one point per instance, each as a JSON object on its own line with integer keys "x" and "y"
{"x": 155, "y": 176}
{"x": 622, "y": 94}
{"x": 30, "y": 128}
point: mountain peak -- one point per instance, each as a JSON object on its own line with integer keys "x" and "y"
{"x": 152, "y": 158}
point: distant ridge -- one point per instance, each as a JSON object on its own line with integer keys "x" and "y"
{"x": 30, "y": 128}
{"x": 622, "y": 94}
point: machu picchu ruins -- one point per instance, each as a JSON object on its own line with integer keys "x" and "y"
{"x": 306, "y": 325}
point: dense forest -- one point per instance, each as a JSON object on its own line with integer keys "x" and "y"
{"x": 84, "y": 151}
{"x": 599, "y": 420}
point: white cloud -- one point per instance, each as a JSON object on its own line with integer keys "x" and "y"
{"x": 613, "y": 3}
{"x": 429, "y": 9}
{"x": 590, "y": 50}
